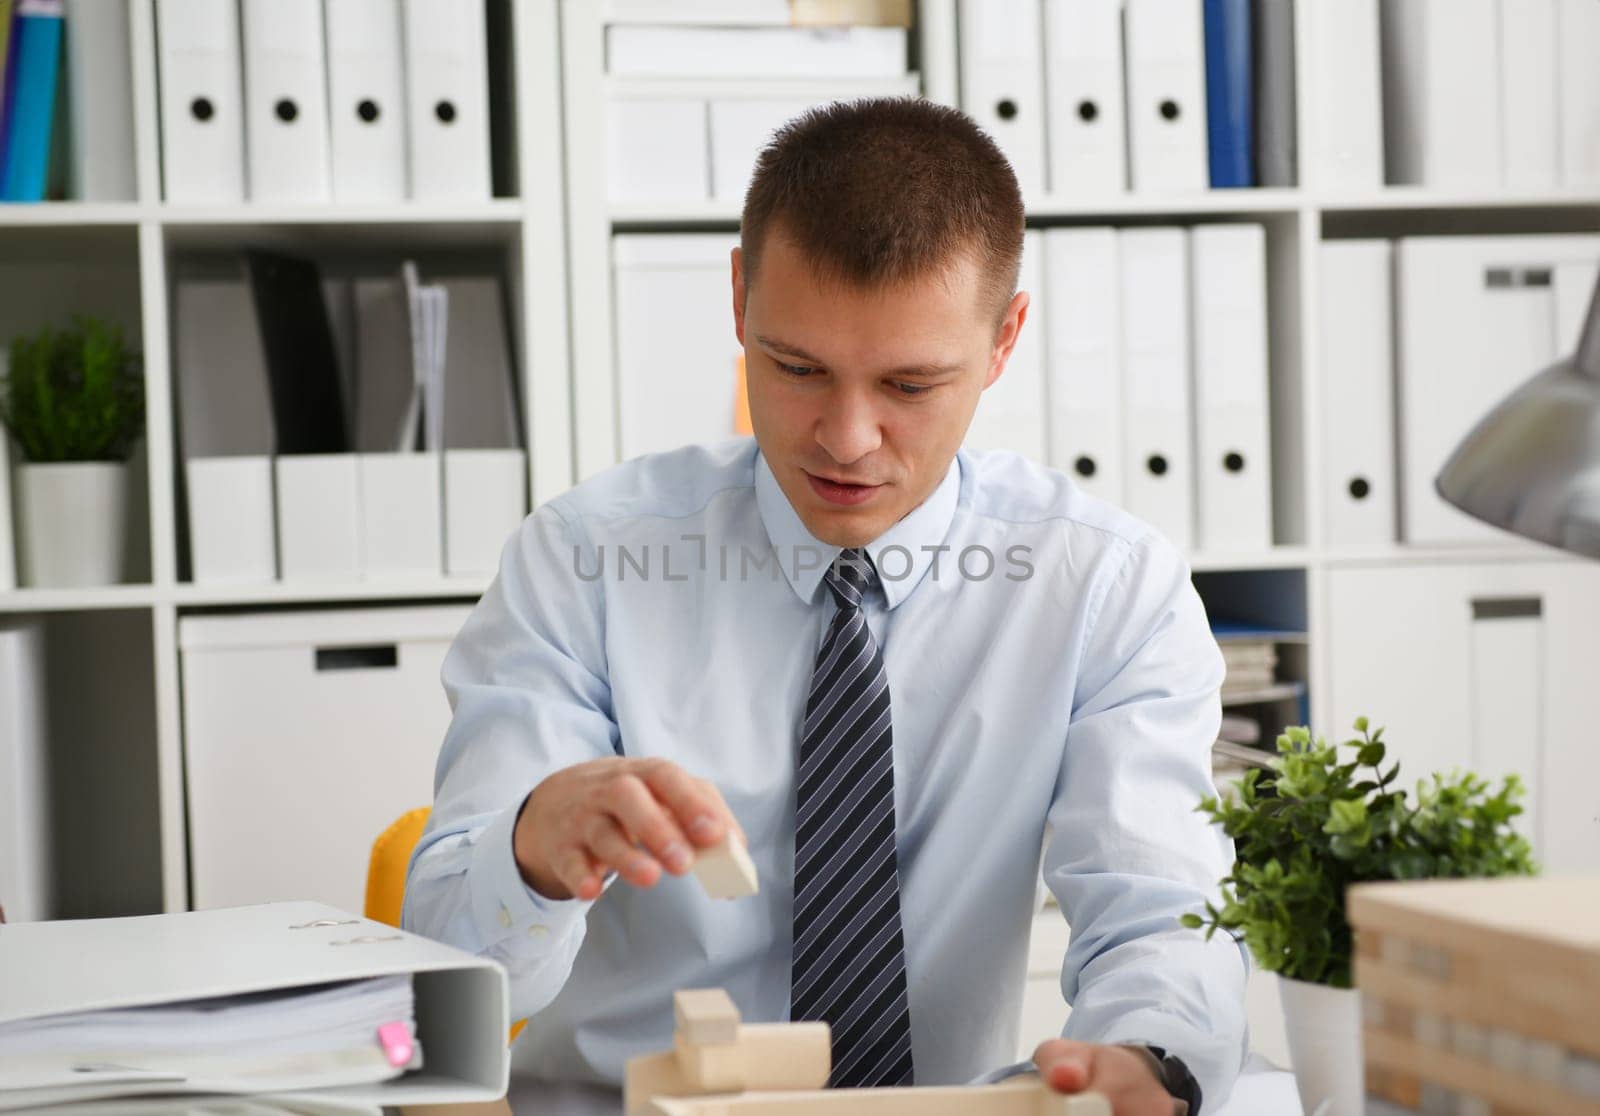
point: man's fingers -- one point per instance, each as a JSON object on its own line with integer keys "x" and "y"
{"x": 579, "y": 874}
{"x": 610, "y": 845}
{"x": 648, "y": 823}
{"x": 711, "y": 789}
{"x": 702, "y": 815}
{"x": 1064, "y": 1065}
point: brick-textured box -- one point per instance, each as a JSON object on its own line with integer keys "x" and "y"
{"x": 1481, "y": 995}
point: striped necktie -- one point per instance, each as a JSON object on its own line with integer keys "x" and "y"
{"x": 849, "y": 965}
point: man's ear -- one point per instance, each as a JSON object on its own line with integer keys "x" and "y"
{"x": 738, "y": 293}
{"x": 1006, "y": 339}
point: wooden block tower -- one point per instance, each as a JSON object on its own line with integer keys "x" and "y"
{"x": 1481, "y": 997}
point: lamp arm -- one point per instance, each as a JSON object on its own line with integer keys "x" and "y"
{"x": 1588, "y": 358}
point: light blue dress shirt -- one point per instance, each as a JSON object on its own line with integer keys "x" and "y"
{"x": 1051, "y": 670}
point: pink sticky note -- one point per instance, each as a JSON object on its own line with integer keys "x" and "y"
{"x": 396, "y": 1041}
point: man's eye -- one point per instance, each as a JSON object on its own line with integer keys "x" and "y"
{"x": 912, "y": 389}
{"x": 795, "y": 369}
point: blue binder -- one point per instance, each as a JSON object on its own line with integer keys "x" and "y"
{"x": 33, "y": 70}
{"x": 1230, "y": 130}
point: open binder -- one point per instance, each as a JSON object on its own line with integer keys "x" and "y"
{"x": 51, "y": 968}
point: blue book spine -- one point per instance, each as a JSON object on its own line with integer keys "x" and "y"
{"x": 36, "y": 62}
{"x": 8, "y": 81}
{"x": 1230, "y": 127}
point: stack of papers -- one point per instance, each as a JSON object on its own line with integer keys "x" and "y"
{"x": 1250, "y": 665}
{"x": 429, "y": 308}
{"x": 281, "y": 1040}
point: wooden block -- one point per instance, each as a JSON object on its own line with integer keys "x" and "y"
{"x": 852, "y": 13}
{"x": 711, "y": 1067}
{"x": 1429, "y": 1028}
{"x": 726, "y": 870}
{"x": 1083, "y": 1104}
{"x": 1470, "y": 1040}
{"x": 1481, "y": 1079}
{"x": 1508, "y": 1050}
{"x": 1394, "y": 1086}
{"x": 780, "y": 1056}
{"x": 649, "y": 1077}
{"x": 705, "y": 1015}
{"x": 1015, "y": 1097}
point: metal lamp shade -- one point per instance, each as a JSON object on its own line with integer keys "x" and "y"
{"x": 1532, "y": 465}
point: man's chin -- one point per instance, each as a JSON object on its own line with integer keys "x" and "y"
{"x": 845, "y": 527}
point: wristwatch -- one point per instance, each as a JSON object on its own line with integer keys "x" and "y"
{"x": 1174, "y": 1077}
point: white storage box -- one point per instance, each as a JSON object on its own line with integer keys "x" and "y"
{"x": 677, "y": 354}
{"x": 485, "y": 499}
{"x": 319, "y": 517}
{"x": 305, "y": 735}
{"x": 656, "y": 149}
{"x": 757, "y": 53}
{"x": 25, "y": 855}
{"x": 402, "y": 533}
{"x": 231, "y": 532}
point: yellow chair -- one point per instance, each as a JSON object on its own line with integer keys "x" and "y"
{"x": 386, "y": 874}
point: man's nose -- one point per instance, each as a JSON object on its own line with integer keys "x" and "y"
{"x": 849, "y": 428}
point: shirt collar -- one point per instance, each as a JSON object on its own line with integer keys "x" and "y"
{"x": 804, "y": 558}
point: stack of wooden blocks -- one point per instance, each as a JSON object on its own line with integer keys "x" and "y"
{"x": 721, "y": 1066}
{"x": 1481, "y": 997}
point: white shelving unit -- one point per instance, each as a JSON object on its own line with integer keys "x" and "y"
{"x": 556, "y": 237}
{"x": 531, "y": 228}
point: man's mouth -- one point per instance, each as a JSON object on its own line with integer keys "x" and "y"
{"x": 843, "y": 493}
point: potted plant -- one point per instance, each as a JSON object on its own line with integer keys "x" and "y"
{"x": 73, "y": 401}
{"x": 1306, "y": 827}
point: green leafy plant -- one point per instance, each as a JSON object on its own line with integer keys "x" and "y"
{"x": 1308, "y": 826}
{"x": 74, "y": 395}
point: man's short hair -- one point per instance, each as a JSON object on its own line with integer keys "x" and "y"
{"x": 884, "y": 190}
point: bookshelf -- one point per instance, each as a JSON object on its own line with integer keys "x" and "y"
{"x": 552, "y": 229}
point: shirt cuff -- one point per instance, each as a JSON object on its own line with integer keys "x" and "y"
{"x": 503, "y": 904}
{"x": 994, "y": 1077}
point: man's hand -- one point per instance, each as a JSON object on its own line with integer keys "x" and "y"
{"x": 634, "y": 816}
{"x": 1124, "y": 1077}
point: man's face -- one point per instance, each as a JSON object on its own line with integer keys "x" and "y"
{"x": 860, "y": 397}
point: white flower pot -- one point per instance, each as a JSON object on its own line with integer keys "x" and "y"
{"x": 71, "y": 523}
{"x": 1324, "y": 1031}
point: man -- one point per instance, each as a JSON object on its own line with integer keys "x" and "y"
{"x": 892, "y": 667}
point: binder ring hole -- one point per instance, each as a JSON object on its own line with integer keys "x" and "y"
{"x": 367, "y": 110}
{"x": 1088, "y": 111}
{"x": 1157, "y": 464}
{"x": 1234, "y": 462}
{"x": 445, "y": 111}
{"x": 1359, "y": 488}
{"x": 286, "y": 110}
{"x": 1084, "y": 466}
{"x": 202, "y": 109}
{"x": 1006, "y": 109}
{"x": 1170, "y": 110}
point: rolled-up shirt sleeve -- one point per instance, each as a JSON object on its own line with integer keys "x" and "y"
{"x": 1128, "y": 853}
{"x": 527, "y": 683}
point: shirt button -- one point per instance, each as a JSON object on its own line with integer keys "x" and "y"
{"x": 538, "y": 930}
{"x": 505, "y": 918}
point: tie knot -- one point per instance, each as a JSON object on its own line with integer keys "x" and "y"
{"x": 850, "y": 576}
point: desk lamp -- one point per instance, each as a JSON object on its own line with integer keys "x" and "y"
{"x": 1532, "y": 465}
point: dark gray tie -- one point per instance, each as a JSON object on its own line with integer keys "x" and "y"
{"x": 849, "y": 965}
